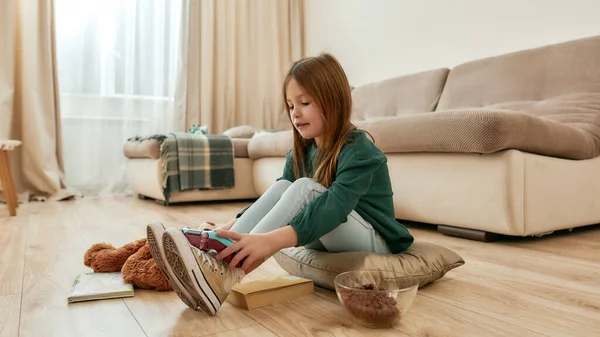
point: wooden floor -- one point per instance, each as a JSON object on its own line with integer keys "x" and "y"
{"x": 520, "y": 287}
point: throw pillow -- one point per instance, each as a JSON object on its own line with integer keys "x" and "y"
{"x": 242, "y": 131}
{"x": 423, "y": 261}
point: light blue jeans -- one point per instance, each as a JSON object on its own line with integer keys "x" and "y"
{"x": 284, "y": 200}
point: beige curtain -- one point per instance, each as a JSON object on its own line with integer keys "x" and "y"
{"x": 237, "y": 55}
{"x": 29, "y": 106}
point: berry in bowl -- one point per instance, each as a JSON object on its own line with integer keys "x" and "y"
{"x": 375, "y": 298}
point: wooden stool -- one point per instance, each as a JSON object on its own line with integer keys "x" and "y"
{"x": 6, "y": 176}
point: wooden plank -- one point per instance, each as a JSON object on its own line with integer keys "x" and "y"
{"x": 527, "y": 311}
{"x": 54, "y": 257}
{"x": 10, "y": 306}
{"x": 255, "y": 330}
{"x": 577, "y": 244}
{"x": 571, "y": 292}
{"x": 13, "y": 237}
{"x": 164, "y": 314}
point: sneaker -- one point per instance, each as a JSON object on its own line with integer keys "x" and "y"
{"x": 207, "y": 279}
{"x": 207, "y": 240}
{"x": 154, "y": 232}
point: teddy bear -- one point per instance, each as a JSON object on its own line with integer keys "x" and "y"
{"x": 198, "y": 129}
{"x": 133, "y": 260}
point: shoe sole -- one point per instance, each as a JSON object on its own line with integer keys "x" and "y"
{"x": 179, "y": 255}
{"x": 158, "y": 257}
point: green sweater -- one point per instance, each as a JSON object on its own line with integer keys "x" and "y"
{"x": 362, "y": 183}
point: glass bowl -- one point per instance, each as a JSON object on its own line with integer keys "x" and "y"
{"x": 375, "y": 298}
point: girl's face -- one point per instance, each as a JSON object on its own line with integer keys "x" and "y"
{"x": 306, "y": 116}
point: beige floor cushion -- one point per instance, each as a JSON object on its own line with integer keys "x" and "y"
{"x": 423, "y": 261}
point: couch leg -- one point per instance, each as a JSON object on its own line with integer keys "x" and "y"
{"x": 471, "y": 234}
{"x": 162, "y": 202}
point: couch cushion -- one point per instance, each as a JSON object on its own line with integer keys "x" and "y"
{"x": 413, "y": 93}
{"x": 423, "y": 261}
{"x": 240, "y": 147}
{"x": 563, "y": 127}
{"x": 146, "y": 148}
{"x": 270, "y": 144}
{"x": 150, "y": 148}
{"x": 529, "y": 75}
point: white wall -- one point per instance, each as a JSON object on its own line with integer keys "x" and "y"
{"x": 378, "y": 39}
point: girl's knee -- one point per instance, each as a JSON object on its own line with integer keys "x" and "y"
{"x": 283, "y": 183}
{"x": 308, "y": 183}
{"x": 280, "y": 186}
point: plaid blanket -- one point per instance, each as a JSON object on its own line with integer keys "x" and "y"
{"x": 190, "y": 161}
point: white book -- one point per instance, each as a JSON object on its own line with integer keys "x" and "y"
{"x": 99, "y": 286}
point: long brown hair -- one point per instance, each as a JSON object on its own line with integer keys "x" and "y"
{"x": 323, "y": 78}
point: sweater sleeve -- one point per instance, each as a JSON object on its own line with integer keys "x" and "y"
{"x": 288, "y": 169}
{"x": 288, "y": 174}
{"x": 330, "y": 209}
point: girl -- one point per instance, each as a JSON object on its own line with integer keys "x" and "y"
{"x": 334, "y": 194}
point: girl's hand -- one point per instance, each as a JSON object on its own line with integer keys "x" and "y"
{"x": 256, "y": 248}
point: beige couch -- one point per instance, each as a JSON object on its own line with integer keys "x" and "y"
{"x": 505, "y": 145}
